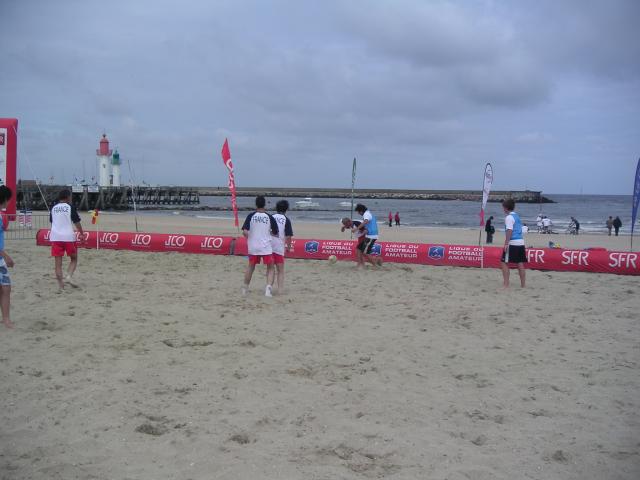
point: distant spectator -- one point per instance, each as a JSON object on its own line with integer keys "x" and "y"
{"x": 546, "y": 224}
{"x": 617, "y": 224}
{"x": 397, "y": 219}
{"x": 610, "y": 224}
{"x": 489, "y": 229}
{"x": 390, "y": 219}
{"x": 539, "y": 222}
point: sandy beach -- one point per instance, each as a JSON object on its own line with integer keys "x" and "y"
{"x": 157, "y": 368}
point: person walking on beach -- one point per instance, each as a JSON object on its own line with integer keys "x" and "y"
{"x": 281, "y": 242}
{"x": 610, "y": 224}
{"x": 397, "y": 219}
{"x": 369, "y": 223}
{"x": 64, "y": 217}
{"x": 514, "y": 251}
{"x": 390, "y": 219}
{"x": 617, "y": 225}
{"x": 258, "y": 228}
{"x": 489, "y": 229}
{"x": 6, "y": 262}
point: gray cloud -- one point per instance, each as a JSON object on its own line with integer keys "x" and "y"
{"x": 422, "y": 92}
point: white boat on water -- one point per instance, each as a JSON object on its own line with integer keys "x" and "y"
{"x": 345, "y": 204}
{"x": 307, "y": 203}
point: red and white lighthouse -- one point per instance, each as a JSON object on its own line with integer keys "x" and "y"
{"x": 104, "y": 163}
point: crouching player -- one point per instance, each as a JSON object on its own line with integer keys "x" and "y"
{"x": 356, "y": 227}
{"x": 282, "y": 241}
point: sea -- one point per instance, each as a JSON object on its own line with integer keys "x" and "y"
{"x": 591, "y": 211}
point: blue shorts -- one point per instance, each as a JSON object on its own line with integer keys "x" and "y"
{"x": 5, "y": 279}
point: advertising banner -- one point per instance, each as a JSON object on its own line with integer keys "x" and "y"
{"x": 8, "y": 159}
{"x": 486, "y": 190}
{"x": 594, "y": 260}
{"x": 636, "y": 201}
{"x": 150, "y": 242}
{"x": 226, "y": 158}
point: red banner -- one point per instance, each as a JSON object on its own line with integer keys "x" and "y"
{"x": 9, "y": 160}
{"x": 226, "y": 158}
{"x": 595, "y": 260}
{"x": 150, "y": 242}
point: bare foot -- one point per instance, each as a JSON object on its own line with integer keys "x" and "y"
{"x": 8, "y": 323}
{"x": 70, "y": 281}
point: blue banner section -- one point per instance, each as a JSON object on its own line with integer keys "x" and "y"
{"x": 636, "y": 197}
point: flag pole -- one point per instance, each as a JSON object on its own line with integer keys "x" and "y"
{"x": 487, "y": 182}
{"x": 353, "y": 185}
{"x": 133, "y": 193}
{"x": 635, "y": 202}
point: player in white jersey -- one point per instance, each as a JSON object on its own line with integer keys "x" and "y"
{"x": 258, "y": 229}
{"x": 64, "y": 217}
{"x": 282, "y": 241}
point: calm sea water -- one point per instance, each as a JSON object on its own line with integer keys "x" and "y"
{"x": 590, "y": 210}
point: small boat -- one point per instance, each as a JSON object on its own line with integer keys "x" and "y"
{"x": 307, "y": 203}
{"x": 345, "y": 204}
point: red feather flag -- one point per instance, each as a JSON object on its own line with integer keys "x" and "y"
{"x": 226, "y": 158}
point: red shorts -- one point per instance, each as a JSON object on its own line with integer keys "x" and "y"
{"x": 58, "y": 249}
{"x": 256, "y": 259}
{"x": 278, "y": 259}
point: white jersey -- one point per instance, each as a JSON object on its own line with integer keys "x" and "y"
{"x": 260, "y": 227}
{"x": 284, "y": 230}
{"x": 62, "y": 218}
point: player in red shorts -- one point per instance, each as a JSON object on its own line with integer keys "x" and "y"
{"x": 63, "y": 217}
{"x": 282, "y": 241}
{"x": 258, "y": 229}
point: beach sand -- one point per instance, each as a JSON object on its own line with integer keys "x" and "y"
{"x": 157, "y": 368}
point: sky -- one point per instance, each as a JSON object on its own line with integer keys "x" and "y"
{"x": 423, "y": 93}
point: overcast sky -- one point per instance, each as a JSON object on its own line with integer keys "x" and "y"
{"x": 422, "y": 92}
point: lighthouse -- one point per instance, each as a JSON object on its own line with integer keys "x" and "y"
{"x": 104, "y": 154}
{"x": 115, "y": 169}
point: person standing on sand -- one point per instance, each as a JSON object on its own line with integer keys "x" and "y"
{"x": 489, "y": 229}
{"x": 514, "y": 251}
{"x": 617, "y": 225}
{"x": 63, "y": 218}
{"x": 6, "y": 262}
{"x": 610, "y": 224}
{"x": 369, "y": 223}
{"x": 282, "y": 241}
{"x": 258, "y": 228}
{"x": 397, "y": 219}
{"x": 390, "y": 219}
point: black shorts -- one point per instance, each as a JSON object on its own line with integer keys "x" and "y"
{"x": 517, "y": 254}
{"x": 366, "y": 245}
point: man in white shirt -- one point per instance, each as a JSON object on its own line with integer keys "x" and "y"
{"x": 63, "y": 218}
{"x": 258, "y": 228}
{"x": 282, "y": 241}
